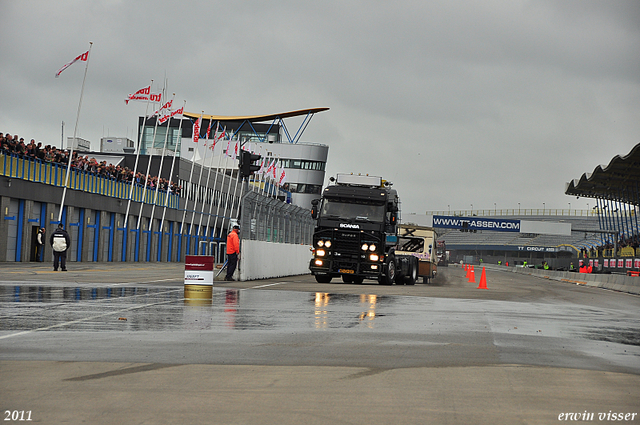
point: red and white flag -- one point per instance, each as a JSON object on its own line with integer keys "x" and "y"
{"x": 271, "y": 169}
{"x": 283, "y": 177}
{"x": 83, "y": 57}
{"x": 221, "y": 136}
{"x": 196, "y": 130}
{"x": 166, "y": 108}
{"x": 235, "y": 149}
{"x": 228, "y": 151}
{"x": 164, "y": 118}
{"x": 215, "y": 136}
{"x": 144, "y": 94}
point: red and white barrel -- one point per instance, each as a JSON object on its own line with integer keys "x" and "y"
{"x": 198, "y": 277}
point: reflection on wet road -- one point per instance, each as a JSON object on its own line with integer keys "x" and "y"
{"x": 30, "y": 308}
{"x": 254, "y": 326}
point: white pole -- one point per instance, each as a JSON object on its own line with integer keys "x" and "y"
{"x": 175, "y": 153}
{"x": 215, "y": 180}
{"x": 135, "y": 166}
{"x": 150, "y": 157}
{"x": 75, "y": 131}
{"x": 193, "y": 161}
{"x": 204, "y": 157}
{"x": 164, "y": 149}
{"x": 224, "y": 173}
{"x": 206, "y": 190}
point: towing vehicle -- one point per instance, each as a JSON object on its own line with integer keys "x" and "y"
{"x": 420, "y": 242}
{"x": 356, "y": 233}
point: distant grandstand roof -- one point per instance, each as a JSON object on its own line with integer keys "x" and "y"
{"x": 620, "y": 180}
{"x": 258, "y": 118}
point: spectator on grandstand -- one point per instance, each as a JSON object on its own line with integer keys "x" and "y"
{"x": 50, "y": 154}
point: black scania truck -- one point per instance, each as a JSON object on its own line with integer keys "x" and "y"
{"x": 356, "y": 233}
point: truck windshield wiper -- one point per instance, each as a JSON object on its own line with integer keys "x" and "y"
{"x": 360, "y": 218}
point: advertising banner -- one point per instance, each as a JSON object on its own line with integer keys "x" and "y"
{"x": 476, "y": 223}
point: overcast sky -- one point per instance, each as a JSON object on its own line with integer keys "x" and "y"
{"x": 458, "y": 103}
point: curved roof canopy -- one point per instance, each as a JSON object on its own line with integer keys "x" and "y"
{"x": 618, "y": 181}
{"x": 258, "y": 118}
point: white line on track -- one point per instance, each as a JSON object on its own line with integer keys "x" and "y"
{"x": 60, "y": 325}
{"x": 264, "y": 286}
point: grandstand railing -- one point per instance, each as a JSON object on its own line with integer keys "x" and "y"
{"x": 51, "y": 173}
{"x": 517, "y": 212}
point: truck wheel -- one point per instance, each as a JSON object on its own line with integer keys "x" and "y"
{"x": 413, "y": 274}
{"x": 390, "y": 277}
{"x": 323, "y": 278}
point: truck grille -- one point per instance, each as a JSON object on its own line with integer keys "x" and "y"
{"x": 347, "y": 242}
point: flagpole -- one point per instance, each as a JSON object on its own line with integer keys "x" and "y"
{"x": 195, "y": 152}
{"x": 150, "y": 157}
{"x": 155, "y": 196}
{"x": 195, "y": 205}
{"x": 135, "y": 166}
{"x": 224, "y": 173}
{"x": 206, "y": 187}
{"x": 75, "y": 131}
{"x": 175, "y": 153}
{"x": 235, "y": 189}
{"x": 215, "y": 180}
{"x": 226, "y": 202}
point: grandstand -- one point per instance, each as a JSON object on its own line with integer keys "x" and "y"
{"x": 515, "y": 248}
{"x": 607, "y": 235}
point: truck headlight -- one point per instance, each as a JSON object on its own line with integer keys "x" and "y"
{"x": 364, "y": 247}
{"x": 374, "y": 257}
{"x": 372, "y": 247}
{"x": 320, "y": 253}
{"x": 318, "y": 262}
{"x": 321, "y": 243}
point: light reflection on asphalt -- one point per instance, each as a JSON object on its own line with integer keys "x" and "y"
{"x": 251, "y": 323}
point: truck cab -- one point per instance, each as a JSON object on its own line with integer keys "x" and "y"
{"x": 356, "y": 230}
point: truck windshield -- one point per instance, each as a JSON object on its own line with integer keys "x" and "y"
{"x": 352, "y": 210}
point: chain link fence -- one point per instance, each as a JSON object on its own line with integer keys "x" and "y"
{"x": 269, "y": 219}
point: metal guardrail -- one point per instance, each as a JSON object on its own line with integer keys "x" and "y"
{"x": 265, "y": 218}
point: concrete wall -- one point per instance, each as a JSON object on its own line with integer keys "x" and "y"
{"x": 615, "y": 282}
{"x": 263, "y": 260}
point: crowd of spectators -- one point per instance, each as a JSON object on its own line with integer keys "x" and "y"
{"x": 607, "y": 248}
{"x": 13, "y": 144}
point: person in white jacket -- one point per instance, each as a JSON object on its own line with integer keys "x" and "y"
{"x": 60, "y": 242}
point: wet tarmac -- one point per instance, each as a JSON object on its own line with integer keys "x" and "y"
{"x": 142, "y": 319}
{"x": 276, "y": 327}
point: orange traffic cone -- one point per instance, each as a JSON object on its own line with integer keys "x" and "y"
{"x": 472, "y": 275}
{"x": 483, "y": 280}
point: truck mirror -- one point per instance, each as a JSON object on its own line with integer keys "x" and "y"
{"x": 314, "y": 209}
